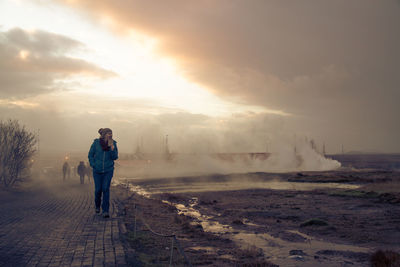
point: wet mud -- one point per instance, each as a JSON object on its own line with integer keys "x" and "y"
{"x": 340, "y": 221}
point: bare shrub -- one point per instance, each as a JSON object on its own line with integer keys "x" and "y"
{"x": 17, "y": 146}
{"x": 385, "y": 258}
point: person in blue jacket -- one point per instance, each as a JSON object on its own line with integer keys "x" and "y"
{"x": 101, "y": 156}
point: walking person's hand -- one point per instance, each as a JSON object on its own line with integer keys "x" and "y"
{"x": 110, "y": 142}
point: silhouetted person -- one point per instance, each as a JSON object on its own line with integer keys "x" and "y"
{"x": 101, "y": 156}
{"x": 89, "y": 172}
{"x": 66, "y": 171}
{"x": 81, "y": 169}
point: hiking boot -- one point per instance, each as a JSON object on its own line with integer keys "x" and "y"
{"x": 97, "y": 210}
{"x": 106, "y": 215}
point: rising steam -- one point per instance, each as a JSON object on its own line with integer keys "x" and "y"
{"x": 284, "y": 157}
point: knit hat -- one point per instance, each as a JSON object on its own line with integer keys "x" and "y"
{"x": 104, "y": 131}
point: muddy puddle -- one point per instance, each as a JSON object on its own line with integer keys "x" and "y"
{"x": 203, "y": 186}
{"x": 304, "y": 250}
{"x": 297, "y": 249}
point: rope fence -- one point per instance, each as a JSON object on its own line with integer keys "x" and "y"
{"x": 163, "y": 242}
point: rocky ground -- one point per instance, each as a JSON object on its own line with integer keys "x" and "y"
{"x": 200, "y": 247}
{"x": 262, "y": 227}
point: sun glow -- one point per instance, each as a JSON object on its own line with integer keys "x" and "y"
{"x": 142, "y": 73}
{"x": 23, "y": 54}
{"x": 107, "y": 20}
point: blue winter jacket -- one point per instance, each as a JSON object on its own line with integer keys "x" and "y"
{"x": 102, "y": 161}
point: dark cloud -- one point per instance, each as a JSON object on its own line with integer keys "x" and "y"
{"x": 335, "y": 61}
{"x": 32, "y": 62}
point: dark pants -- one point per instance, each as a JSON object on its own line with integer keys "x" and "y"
{"x": 102, "y": 183}
{"x": 82, "y": 178}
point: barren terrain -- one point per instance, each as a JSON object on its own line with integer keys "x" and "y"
{"x": 333, "y": 218}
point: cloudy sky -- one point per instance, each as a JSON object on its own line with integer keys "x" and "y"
{"x": 229, "y": 75}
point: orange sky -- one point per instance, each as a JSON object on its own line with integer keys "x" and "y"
{"x": 328, "y": 70}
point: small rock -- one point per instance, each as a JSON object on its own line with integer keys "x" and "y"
{"x": 238, "y": 222}
{"x": 296, "y": 257}
{"x": 297, "y": 252}
{"x": 314, "y": 222}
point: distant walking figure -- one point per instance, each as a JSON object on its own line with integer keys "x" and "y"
{"x": 81, "y": 169}
{"x": 101, "y": 156}
{"x": 89, "y": 172}
{"x": 66, "y": 170}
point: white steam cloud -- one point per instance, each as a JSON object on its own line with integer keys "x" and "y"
{"x": 283, "y": 157}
